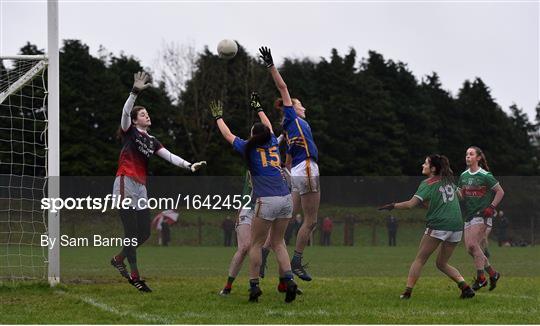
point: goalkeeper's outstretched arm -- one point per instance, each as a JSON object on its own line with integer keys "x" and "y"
{"x": 125, "y": 123}
{"x": 173, "y": 158}
{"x": 140, "y": 83}
{"x": 178, "y": 161}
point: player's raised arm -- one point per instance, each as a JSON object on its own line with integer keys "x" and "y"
{"x": 216, "y": 107}
{"x": 255, "y": 104}
{"x": 178, "y": 161}
{"x": 266, "y": 56}
{"x": 140, "y": 80}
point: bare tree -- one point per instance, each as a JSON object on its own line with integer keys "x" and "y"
{"x": 175, "y": 66}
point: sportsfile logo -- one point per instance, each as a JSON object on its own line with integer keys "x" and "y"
{"x": 109, "y": 202}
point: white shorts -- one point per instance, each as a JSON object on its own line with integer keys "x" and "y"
{"x": 126, "y": 187}
{"x": 245, "y": 216}
{"x": 448, "y": 236}
{"x": 271, "y": 208}
{"x": 305, "y": 177}
{"x": 480, "y": 220}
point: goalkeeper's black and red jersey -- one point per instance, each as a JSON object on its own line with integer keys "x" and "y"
{"x": 137, "y": 147}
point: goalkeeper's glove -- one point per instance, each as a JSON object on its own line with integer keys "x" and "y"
{"x": 266, "y": 56}
{"x": 255, "y": 102}
{"x": 140, "y": 82}
{"x": 195, "y": 166}
{"x": 216, "y": 107}
{"x": 387, "y": 207}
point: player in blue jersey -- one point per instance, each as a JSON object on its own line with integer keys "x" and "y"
{"x": 302, "y": 155}
{"x": 273, "y": 202}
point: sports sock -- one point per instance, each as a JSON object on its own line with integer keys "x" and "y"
{"x": 480, "y": 275}
{"x": 282, "y": 286}
{"x": 265, "y": 252}
{"x": 133, "y": 265}
{"x": 287, "y": 276}
{"x": 119, "y": 258}
{"x": 297, "y": 257}
{"x": 408, "y": 290}
{"x": 462, "y": 285}
{"x": 135, "y": 275}
{"x": 230, "y": 281}
{"x": 490, "y": 271}
{"x": 254, "y": 283}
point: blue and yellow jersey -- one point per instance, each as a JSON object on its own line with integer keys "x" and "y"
{"x": 265, "y": 168}
{"x": 300, "y": 142}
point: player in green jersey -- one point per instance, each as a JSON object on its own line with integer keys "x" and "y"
{"x": 481, "y": 193}
{"x": 444, "y": 225}
{"x": 243, "y": 237}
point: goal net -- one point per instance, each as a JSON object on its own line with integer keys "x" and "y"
{"x": 23, "y": 167}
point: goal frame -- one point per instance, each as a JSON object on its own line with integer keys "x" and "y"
{"x": 51, "y": 62}
{"x": 53, "y": 144}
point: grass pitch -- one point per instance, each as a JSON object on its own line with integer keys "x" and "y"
{"x": 351, "y": 285}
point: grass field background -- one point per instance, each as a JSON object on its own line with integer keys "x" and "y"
{"x": 358, "y": 284}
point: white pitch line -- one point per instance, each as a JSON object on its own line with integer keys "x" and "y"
{"x": 318, "y": 312}
{"x": 105, "y": 307}
{"x": 528, "y": 297}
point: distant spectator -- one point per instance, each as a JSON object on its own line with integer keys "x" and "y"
{"x": 228, "y": 228}
{"x": 392, "y": 226}
{"x": 502, "y": 229}
{"x": 327, "y": 227}
{"x": 162, "y": 224}
{"x": 348, "y": 230}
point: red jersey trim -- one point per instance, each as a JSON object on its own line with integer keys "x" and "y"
{"x": 433, "y": 180}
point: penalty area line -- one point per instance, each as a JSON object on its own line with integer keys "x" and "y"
{"x": 145, "y": 317}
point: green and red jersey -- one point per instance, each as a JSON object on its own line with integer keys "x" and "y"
{"x": 443, "y": 212}
{"x": 477, "y": 189}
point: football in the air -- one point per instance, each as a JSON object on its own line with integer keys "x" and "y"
{"x": 227, "y": 49}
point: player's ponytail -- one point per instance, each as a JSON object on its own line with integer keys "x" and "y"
{"x": 442, "y": 167}
{"x": 260, "y": 135}
{"x": 133, "y": 116}
{"x": 483, "y": 162}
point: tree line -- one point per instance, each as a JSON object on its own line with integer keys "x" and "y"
{"x": 369, "y": 116}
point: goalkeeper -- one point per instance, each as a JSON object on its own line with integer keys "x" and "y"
{"x": 137, "y": 147}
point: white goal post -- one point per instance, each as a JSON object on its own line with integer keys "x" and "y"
{"x": 30, "y": 160}
{"x": 53, "y": 159}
